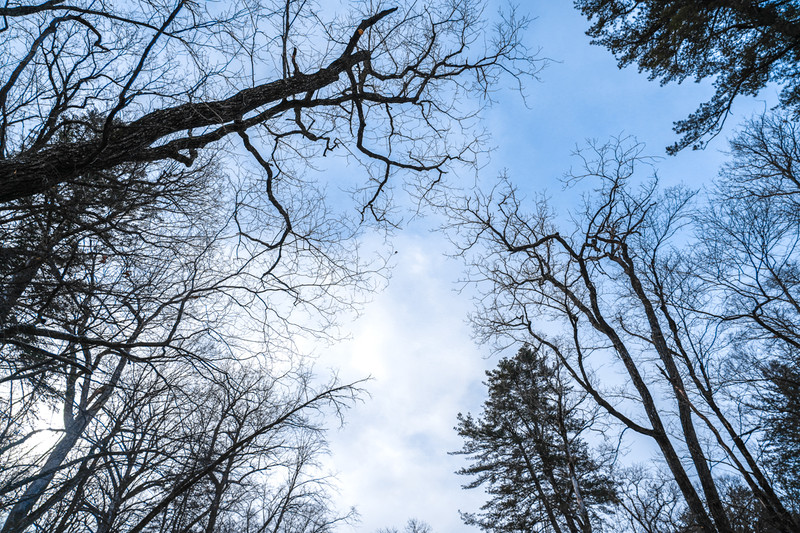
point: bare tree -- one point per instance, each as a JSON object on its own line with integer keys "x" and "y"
{"x": 147, "y": 251}
{"x": 355, "y": 82}
{"x": 413, "y": 525}
{"x": 178, "y": 451}
{"x": 621, "y": 291}
{"x": 750, "y": 263}
{"x": 650, "y": 501}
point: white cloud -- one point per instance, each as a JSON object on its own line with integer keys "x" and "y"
{"x": 391, "y": 456}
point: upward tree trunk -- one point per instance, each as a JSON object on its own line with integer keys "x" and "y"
{"x": 538, "y": 485}
{"x": 16, "y": 287}
{"x": 18, "y": 518}
{"x": 659, "y": 433}
{"x": 760, "y": 486}
{"x": 696, "y": 452}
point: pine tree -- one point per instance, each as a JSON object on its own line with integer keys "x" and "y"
{"x": 527, "y": 449}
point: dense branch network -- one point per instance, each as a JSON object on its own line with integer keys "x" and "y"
{"x": 619, "y": 294}
{"x": 154, "y": 274}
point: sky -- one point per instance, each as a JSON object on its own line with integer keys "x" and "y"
{"x": 391, "y": 456}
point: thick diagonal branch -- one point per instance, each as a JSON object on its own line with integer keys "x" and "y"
{"x": 27, "y": 174}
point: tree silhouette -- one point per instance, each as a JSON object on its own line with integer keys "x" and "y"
{"x": 528, "y": 450}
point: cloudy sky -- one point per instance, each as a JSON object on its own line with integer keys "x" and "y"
{"x": 414, "y": 340}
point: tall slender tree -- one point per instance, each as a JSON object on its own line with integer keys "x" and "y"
{"x": 750, "y": 262}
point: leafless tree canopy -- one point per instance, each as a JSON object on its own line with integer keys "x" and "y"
{"x": 166, "y": 233}
{"x": 669, "y": 311}
{"x": 147, "y": 82}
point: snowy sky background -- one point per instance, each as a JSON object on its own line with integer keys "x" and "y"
{"x": 391, "y": 456}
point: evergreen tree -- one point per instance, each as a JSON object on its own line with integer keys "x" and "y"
{"x": 781, "y": 408}
{"x": 527, "y": 449}
{"x": 740, "y": 45}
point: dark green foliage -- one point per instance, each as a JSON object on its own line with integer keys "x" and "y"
{"x": 741, "y": 45}
{"x": 527, "y": 451}
{"x": 781, "y": 406}
{"x": 742, "y": 506}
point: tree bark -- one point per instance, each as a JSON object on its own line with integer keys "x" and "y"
{"x": 27, "y": 174}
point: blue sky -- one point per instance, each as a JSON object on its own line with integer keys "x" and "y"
{"x": 413, "y": 338}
